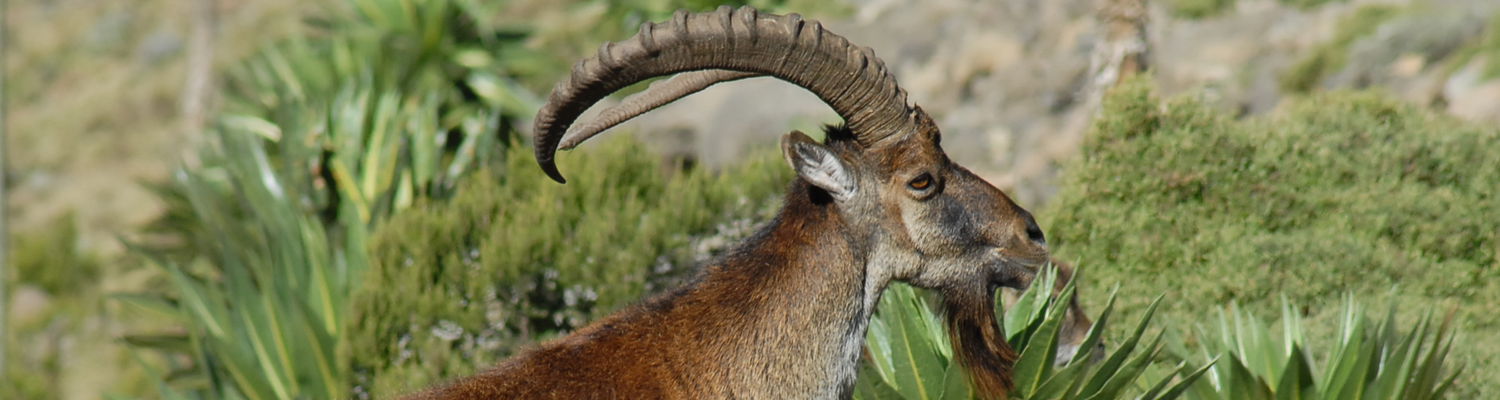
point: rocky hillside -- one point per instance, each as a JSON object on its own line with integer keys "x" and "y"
{"x": 1007, "y": 79}
{"x": 96, "y": 93}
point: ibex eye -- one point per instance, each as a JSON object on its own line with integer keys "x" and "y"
{"x": 921, "y": 183}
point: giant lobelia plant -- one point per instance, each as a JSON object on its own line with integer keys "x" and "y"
{"x": 909, "y": 357}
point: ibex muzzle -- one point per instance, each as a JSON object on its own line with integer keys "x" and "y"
{"x": 783, "y": 314}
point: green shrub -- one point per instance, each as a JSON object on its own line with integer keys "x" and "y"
{"x": 322, "y": 137}
{"x": 1332, "y": 194}
{"x": 1362, "y": 361}
{"x": 911, "y": 357}
{"x": 262, "y": 295}
{"x": 516, "y": 258}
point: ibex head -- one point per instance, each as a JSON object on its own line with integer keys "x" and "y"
{"x": 931, "y": 223}
{"x": 925, "y": 219}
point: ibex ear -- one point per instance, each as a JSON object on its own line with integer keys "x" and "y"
{"x": 818, "y": 165}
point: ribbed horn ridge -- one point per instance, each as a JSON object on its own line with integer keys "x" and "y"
{"x": 659, "y": 94}
{"x": 847, "y": 77}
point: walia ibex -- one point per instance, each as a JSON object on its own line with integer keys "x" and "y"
{"x": 783, "y": 314}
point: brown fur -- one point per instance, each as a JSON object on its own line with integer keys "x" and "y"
{"x": 768, "y": 306}
{"x": 784, "y": 314}
{"x": 979, "y": 344}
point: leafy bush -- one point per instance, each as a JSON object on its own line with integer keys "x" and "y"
{"x": 322, "y": 137}
{"x": 261, "y": 301}
{"x": 1364, "y": 360}
{"x": 1335, "y": 193}
{"x": 911, "y": 358}
{"x": 516, "y": 258}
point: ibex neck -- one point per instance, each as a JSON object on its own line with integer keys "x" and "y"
{"x": 781, "y": 316}
{"x": 801, "y": 299}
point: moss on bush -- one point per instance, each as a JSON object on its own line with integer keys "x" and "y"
{"x": 1332, "y": 194}
{"x": 516, "y": 258}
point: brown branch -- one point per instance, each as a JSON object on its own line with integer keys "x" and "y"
{"x": 1121, "y": 52}
{"x": 197, "y": 91}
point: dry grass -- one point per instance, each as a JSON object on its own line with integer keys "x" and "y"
{"x": 94, "y": 102}
{"x": 93, "y": 107}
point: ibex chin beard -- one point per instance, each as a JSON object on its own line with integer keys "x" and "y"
{"x": 977, "y": 337}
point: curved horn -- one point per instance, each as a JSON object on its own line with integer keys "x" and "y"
{"x": 659, "y": 94}
{"x": 847, "y": 77}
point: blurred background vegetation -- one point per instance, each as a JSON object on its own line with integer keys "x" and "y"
{"x": 1337, "y": 193}
{"x": 335, "y": 198}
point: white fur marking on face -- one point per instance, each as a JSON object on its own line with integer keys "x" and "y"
{"x": 1065, "y": 353}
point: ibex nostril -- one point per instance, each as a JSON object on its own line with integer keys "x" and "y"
{"x": 1034, "y": 232}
